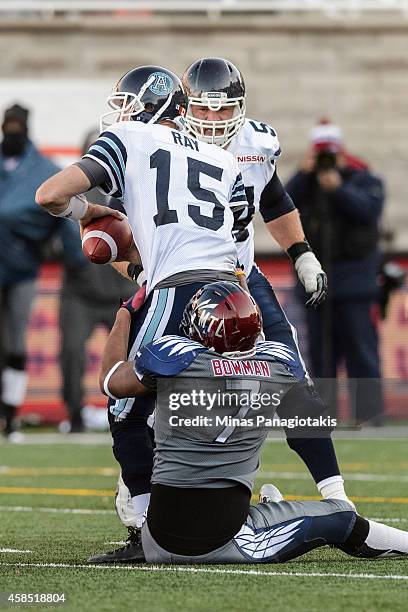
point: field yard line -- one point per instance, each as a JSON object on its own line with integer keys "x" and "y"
{"x": 14, "y": 550}
{"x": 366, "y": 434}
{"x": 294, "y": 475}
{"x": 47, "y": 491}
{"x": 54, "y": 510}
{"x": 112, "y": 471}
{"x": 58, "y": 471}
{"x": 353, "y": 476}
{"x": 89, "y": 511}
{"x": 387, "y": 519}
{"x": 110, "y": 493}
{"x": 202, "y": 570}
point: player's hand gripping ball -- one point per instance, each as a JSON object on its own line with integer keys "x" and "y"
{"x": 107, "y": 239}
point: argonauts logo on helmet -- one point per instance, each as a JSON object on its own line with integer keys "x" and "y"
{"x": 162, "y": 84}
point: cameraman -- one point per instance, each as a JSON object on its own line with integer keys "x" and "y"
{"x": 340, "y": 203}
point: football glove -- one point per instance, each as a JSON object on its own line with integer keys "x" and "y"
{"x": 312, "y": 277}
{"x": 134, "y": 303}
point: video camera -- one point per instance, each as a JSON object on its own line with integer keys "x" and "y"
{"x": 325, "y": 160}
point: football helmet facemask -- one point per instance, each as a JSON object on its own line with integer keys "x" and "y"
{"x": 215, "y": 83}
{"x": 224, "y": 318}
{"x": 148, "y": 94}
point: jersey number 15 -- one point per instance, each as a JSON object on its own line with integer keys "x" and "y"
{"x": 161, "y": 161}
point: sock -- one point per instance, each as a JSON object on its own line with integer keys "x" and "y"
{"x": 333, "y": 488}
{"x": 318, "y": 455}
{"x": 140, "y": 505}
{"x": 384, "y": 539}
{"x": 369, "y": 539}
{"x": 14, "y": 386}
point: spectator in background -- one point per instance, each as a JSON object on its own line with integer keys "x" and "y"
{"x": 89, "y": 297}
{"x": 24, "y": 229}
{"x": 340, "y": 202}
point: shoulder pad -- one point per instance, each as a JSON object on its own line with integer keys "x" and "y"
{"x": 282, "y": 353}
{"x": 168, "y": 356}
{"x": 261, "y": 136}
{"x": 124, "y": 127}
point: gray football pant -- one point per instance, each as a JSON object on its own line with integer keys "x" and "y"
{"x": 15, "y": 306}
{"x": 78, "y": 320}
{"x": 273, "y": 532}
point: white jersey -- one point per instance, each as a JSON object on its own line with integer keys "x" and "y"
{"x": 256, "y": 148}
{"x": 179, "y": 195}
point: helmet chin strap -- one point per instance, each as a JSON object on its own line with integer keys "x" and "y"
{"x": 143, "y": 88}
{"x": 161, "y": 110}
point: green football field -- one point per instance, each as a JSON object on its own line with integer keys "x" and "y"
{"x": 56, "y": 509}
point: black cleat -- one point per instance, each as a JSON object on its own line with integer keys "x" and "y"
{"x": 131, "y": 552}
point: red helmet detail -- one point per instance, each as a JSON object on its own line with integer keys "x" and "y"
{"x": 223, "y": 317}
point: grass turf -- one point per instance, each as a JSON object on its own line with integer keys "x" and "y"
{"x": 83, "y": 477}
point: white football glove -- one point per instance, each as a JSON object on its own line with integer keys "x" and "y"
{"x": 312, "y": 277}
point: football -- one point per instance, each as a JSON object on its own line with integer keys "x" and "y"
{"x": 106, "y": 239}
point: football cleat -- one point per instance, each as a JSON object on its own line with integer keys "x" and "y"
{"x": 270, "y": 493}
{"x": 131, "y": 552}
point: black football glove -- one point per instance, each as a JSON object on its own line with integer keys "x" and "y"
{"x": 321, "y": 292}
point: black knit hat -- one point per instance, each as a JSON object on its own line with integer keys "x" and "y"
{"x": 18, "y": 114}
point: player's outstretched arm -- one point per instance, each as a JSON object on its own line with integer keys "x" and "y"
{"x": 117, "y": 377}
{"x": 61, "y": 196}
{"x": 283, "y": 222}
{"x": 287, "y": 229}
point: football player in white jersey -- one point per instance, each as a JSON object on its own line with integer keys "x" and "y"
{"x": 216, "y": 114}
{"x": 182, "y": 198}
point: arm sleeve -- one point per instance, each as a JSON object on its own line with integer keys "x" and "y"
{"x": 362, "y": 200}
{"x": 96, "y": 174}
{"x": 110, "y": 153}
{"x": 275, "y": 201}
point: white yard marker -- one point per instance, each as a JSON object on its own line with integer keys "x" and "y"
{"x": 363, "y": 477}
{"x": 89, "y": 511}
{"x": 206, "y": 570}
{"x": 14, "y": 550}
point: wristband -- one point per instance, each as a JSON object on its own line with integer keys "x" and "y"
{"x": 297, "y": 249}
{"x": 107, "y": 379}
{"x": 76, "y": 210}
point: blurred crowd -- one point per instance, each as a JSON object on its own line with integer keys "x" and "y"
{"x": 89, "y": 294}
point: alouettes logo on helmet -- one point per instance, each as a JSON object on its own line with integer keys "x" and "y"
{"x": 224, "y": 318}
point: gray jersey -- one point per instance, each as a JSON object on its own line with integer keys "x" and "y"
{"x": 212, "y": 413}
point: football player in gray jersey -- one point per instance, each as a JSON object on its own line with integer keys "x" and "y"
{"x": 216, "y": 114}
{"x": 203, "y": 473}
